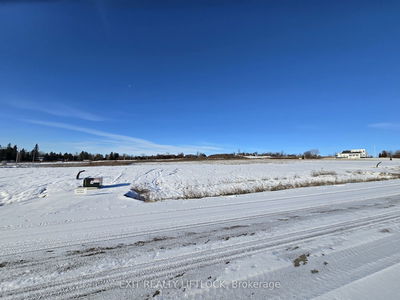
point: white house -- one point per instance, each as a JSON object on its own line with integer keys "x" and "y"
{"x": 353, "y": 154}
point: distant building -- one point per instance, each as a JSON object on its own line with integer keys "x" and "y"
{"x": 353, "y": 154}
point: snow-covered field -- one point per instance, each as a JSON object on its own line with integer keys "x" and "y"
{"x": 183, "y": 180}
{"x": 340, "y": 241}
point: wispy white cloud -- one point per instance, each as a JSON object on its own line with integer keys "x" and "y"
{"x": 59, "y": 110}
{"x": 125, "y": 144}
{"x": 385, "y": 125}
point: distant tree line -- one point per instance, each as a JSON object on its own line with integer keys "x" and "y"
{"x": 11, "y": 153}
{"x": 14, "y": 153}
{"x": 310, "y": 154}
{"x": 387, "y": 153}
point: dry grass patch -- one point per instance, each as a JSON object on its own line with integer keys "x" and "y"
{"x": 323, "y": 173}
{"x": 318, "y": 179}
{"x": 390, "y": 175}
{"x": 301, "y": 260}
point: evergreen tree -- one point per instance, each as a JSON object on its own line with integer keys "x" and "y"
{"x": 35, "y": 152}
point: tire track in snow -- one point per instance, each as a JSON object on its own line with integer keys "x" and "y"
{"x": 111, "y": 278}
{"x": 345, "y": 266}
{"x": 16, "y": 247}
{"x": 147, "y": 234}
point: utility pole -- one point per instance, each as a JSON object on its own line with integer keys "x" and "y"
{"x": 17, "y": 157}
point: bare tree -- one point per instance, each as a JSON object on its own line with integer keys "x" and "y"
{"x": 313, "y": 153}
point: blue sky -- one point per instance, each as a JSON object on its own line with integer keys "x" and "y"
{"x": 209, "y": 76}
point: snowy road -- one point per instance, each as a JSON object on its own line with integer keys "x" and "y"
{"x": 181, "y": 215}
{"x": 95, "y": 247}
